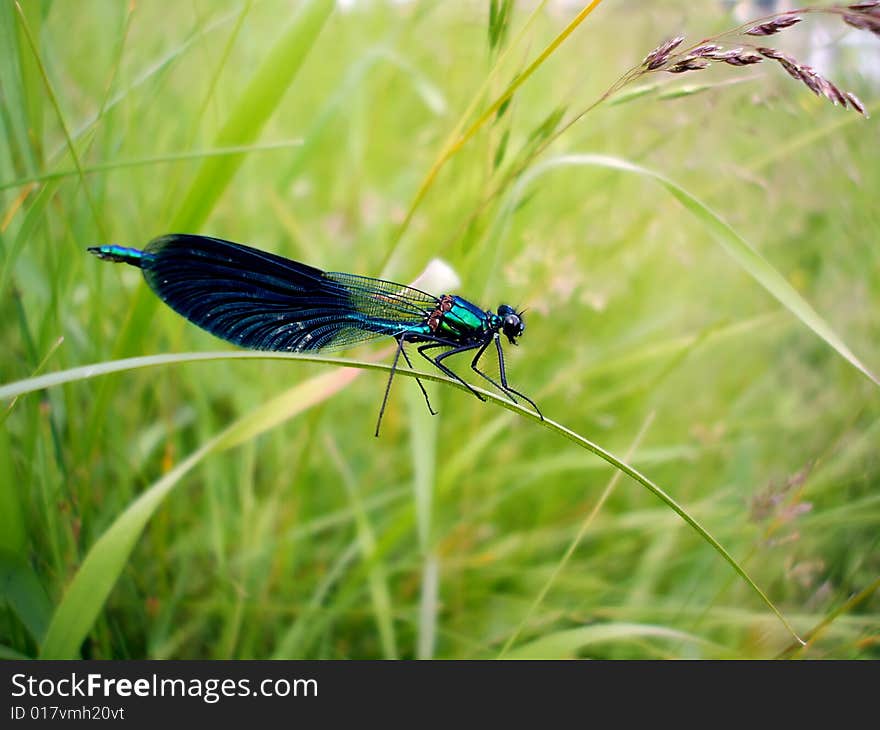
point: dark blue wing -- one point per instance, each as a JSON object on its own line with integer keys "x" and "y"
{"x": 261, "y": 301}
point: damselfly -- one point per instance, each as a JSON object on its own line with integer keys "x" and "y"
{"x": 261, "y": 301}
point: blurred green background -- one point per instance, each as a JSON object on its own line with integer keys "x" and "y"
{"x": 475, "y": 533}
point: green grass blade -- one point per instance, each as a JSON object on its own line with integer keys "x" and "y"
{"x": 252, "y": 110}
{"x": 154, "y": 69}
{"x": 735, "y": 245}
{"x": 157, "y": 160}
{"x": 22, "y": 591}
{"x": 49, "y": 380}
{"x": 13, "y": 534}
{"x": 462, "y": 134}
{"x": 380, "y": 595}
{"x": 566, "y": 644}
{"x": 423, "y": 452}
{"x": 848, "y": 606}
{"x": 431, "y": 96}
{"x": 9, "y": 653}
{"x": 57, "y": 106}
{"x": 22, "y": 97}
{"x": 670, "y": 502}
{"x": 34, "y": 217}
{"x": 578, "y": 538}
{"x": 88, "y": 591}
{"x": 240, "y": 429}
{"x": 319, "y": 609}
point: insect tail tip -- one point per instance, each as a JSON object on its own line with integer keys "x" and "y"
{"x": 103, "y": 252}
{"x": 120, "y": 254}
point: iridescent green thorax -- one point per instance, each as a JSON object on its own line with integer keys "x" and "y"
{"x": 461, "y": 320}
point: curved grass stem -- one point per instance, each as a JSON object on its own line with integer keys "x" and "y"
{"x": 77, "y": 374}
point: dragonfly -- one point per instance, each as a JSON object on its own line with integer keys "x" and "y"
{"x": 261, "y": 301}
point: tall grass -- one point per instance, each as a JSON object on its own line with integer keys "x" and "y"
{"x": 707, "y": 327}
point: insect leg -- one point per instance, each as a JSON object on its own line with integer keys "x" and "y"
{"x": 441, "y": 367}
{"x": 388, "y": 386}
{"x": 504, "y": 380}
{"x": 506, "y": 391}
{"x": 424, "y": 392}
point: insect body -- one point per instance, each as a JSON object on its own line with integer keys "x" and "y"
{"x": 261, "y": 301}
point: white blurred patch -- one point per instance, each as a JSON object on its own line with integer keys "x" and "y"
{"x": 438, "y": 277}
{"x": 345, "y": 5}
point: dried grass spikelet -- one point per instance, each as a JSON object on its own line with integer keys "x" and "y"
{"x": 865, "y": 20}
{"x": 774, "y": 26}
{"x": 819, "y": 85}
{"x": 660, "y": 55}
{"x": 862, "y": 15}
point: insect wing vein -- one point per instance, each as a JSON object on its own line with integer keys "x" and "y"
{"x": 253, "y": 298}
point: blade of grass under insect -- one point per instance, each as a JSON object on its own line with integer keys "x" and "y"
{"x": 749, "y": 259}
{"x": 87, "y": 593}
{"x": 254, "y": 107}
{"x": 25, "y": 386}
{"x": 658, "y": 492}
{"x": 469, "y": 453}
{"x": 20, "y": 387}
{"x": 609, "y": 488}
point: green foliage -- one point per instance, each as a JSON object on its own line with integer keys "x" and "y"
{"x": 500, "y": 13}
{"x": 240, "y": 507}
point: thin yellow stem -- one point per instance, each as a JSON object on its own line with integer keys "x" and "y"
{"x": 458, "y": 139}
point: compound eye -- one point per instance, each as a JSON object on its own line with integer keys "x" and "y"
{"x": 512, "y": 326}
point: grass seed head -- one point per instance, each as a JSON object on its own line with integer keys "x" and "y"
{"x": 863, "y": 15}
{"x": 660, "y": 55}
{"x": 774, "y": 26}
{"x": 688, "y": 63}
{"x": 865, "y": 20}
